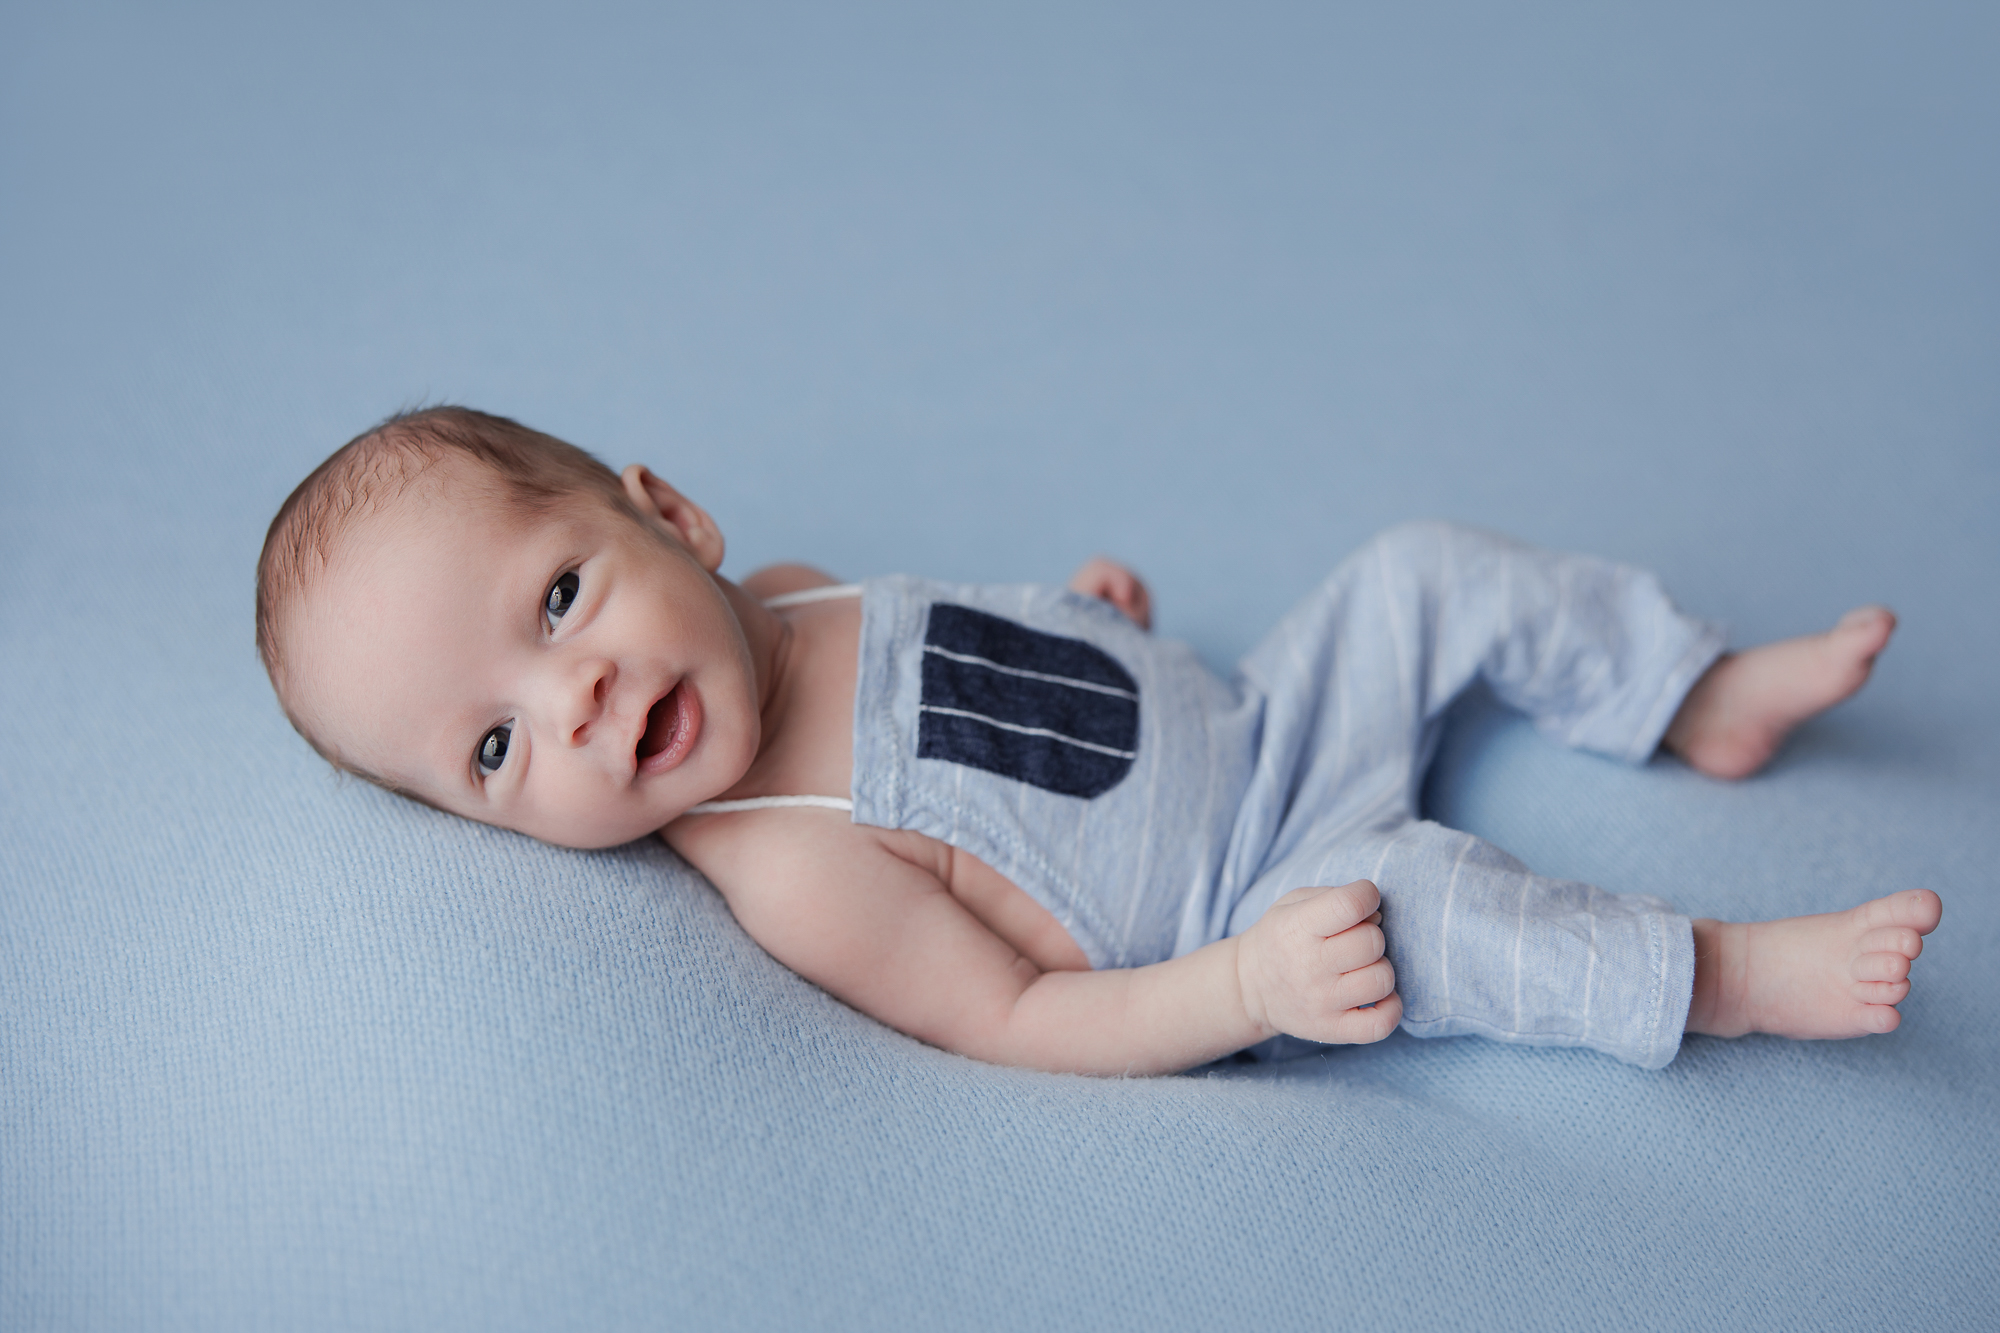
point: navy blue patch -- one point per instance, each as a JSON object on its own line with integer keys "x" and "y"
{"x": 1055, "y": 713}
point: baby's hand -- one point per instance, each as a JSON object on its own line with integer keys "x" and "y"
{"x": 1117, "y": 585}
{"x": 1314, "y": 957}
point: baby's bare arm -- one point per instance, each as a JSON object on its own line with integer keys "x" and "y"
{"x": 838, "y": 907}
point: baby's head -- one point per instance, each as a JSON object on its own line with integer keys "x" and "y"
{"x": 489, "y": 620}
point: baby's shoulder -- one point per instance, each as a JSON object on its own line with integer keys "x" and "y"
{"x": 787, "y": 871}
{"x": 762, "y": 848}
{"x": 782, "y": 579}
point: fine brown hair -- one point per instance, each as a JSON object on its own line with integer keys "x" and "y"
{"x": 532, "y": 472}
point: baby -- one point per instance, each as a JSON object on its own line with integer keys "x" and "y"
{"x": 1006, "y": 820}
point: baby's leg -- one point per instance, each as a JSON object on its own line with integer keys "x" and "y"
{"x": 1737, "y": 714}
{"x": 1359, "y": 675}
{"x": 1484, "y": 947}
{"x": 1840, "y": 974}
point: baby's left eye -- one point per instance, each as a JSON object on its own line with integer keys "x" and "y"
{"x": 562, "y": 596}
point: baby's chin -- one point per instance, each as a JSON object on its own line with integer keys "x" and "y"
{"x": 643, "y": 818}
{"x": 592, "y": 839}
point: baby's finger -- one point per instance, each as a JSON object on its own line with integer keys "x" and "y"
{"x": 1357, "y": 1027}
{"x": 1336, "y": 909}
{"x": 1141, "y": 608}
{"x": 1093, "y": 579}
{"x": 1366, "y": 985}
{"x": 1357, "y": 946}
{"x": 1299, "y": 895}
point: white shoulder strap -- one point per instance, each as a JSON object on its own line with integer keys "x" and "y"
{"x": 804, "y": 595}
{"x": 772, "y": 803}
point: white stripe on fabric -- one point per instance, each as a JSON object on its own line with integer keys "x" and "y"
{"x": 1375, "y": 876}
{"x": 1658, "y": 939}
{"x": 1031, "y": 675}
{"x": 1411, "y": 709}
{"x": 1028, "y": 731}
{"x": 1444, "y": 921}
{"x": 1590, "y": 971}
{"x": 1520, "y": 934}
{"x": 772, "y": 803}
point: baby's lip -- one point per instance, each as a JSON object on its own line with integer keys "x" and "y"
{"x": 672, "y": 724}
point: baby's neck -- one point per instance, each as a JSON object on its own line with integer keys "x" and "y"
{"x": 804, "y": 663}
{"x": 770, "y": 640}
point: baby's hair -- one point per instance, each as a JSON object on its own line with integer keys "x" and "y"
{"x": 531, "y": 471}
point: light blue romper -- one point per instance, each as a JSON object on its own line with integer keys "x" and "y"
{"x": 1154, "y": 807}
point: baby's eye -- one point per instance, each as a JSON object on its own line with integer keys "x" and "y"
{"x": 562, "y": 596}
{"x": 493, "y": 749}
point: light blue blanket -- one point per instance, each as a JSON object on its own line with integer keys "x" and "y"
{"x": 1220, "y": 292}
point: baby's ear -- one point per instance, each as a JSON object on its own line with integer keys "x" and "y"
{"x": 685, "y": 520}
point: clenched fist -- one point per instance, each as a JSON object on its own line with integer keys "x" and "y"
{"x": 1313, "y": 960}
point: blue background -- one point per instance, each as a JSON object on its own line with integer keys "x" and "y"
{"x": 975, "y": 295}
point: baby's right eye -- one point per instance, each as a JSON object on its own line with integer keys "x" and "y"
{"x": 493, "y": 748}
{"x": 562, "y": 596}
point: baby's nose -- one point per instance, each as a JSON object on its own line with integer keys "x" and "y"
{"x": 588, "y": 692}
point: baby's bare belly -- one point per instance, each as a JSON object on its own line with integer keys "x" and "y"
{"x": 1001, "y": 905}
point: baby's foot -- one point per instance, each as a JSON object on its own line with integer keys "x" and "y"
{"x": 1738, "y": 713}
{"x": 1836, "y": 975}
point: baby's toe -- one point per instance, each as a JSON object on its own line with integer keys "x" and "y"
{"x": 1868, "y": 622}
{"x": 1918, "y": 909}
{"x": 1878, "y": 993}
{"x": 1859, "y": 639}
{"x": 1878, "y": 1018}
{"x": 1882, "y": 967}
{"x": 1902, "y": 940}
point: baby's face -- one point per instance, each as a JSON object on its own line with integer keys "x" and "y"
{"x": 577, "y": 677}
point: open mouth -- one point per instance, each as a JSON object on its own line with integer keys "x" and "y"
{"x": 671, "y": 724}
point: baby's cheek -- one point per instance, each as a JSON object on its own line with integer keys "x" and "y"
{"x": 731, "y": 740}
